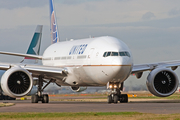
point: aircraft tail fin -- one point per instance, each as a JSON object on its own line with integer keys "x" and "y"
{"x": 53, "y": 24}
{"x": 34, "y": 47}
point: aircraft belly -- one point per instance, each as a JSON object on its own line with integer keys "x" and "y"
{"x": 96, "y": 75}
{"x": 104, "y": 74}
{"x": 89, "y": 76}
{"x": 99, "y": 74}
{"x": 78, "y": 77}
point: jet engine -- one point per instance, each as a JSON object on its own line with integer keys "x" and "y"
{"x": 78, "y": 89}
{"x": 16, "y": 82}
{"x": 162, "y": 82}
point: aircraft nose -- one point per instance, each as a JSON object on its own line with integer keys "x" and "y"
{"x": 117, "y": 63}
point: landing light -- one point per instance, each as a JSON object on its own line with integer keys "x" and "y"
{"x": 110, "y": 86}
{"x": 115, "y": 86}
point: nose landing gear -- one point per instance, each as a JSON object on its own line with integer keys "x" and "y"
{"x": 116, "y": 95}
{"x": 114, "y": 98}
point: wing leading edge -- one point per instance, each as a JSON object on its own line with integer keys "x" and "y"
{"x": 48, "y": 72}
{"x": 21, "y": 55}
{"x": 139, "y": 69}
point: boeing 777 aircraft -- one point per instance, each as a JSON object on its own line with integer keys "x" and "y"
{"x": 100, "y": 61}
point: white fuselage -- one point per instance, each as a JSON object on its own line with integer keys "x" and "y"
{"x": 90, "y": 62}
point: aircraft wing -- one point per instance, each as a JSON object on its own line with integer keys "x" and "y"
{"x": 49, "y": 72}
{"x": 21, "y": 55}
{"x": 139, "y": 69}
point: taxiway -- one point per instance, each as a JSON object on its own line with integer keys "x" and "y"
{"x": 162, "y": 107}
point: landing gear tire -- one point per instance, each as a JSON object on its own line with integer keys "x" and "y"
{"x": 45, "y": 98}
{"x": 110, "y": 99}
{"x": 116, "y": 99}
{"x": 124, "y": 98}
{"x": 34, "y": 98}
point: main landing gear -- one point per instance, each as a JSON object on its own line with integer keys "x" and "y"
{"x": 44, "y": 98}
{"x": 116, "y": 95}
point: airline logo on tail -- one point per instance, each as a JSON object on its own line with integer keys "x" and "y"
{"x": 53, "y": 25}
{"x": 34, "y": 46}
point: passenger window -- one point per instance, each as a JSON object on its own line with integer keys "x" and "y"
{"x": 108, "y": 54}
{"x": 114, "y": 54}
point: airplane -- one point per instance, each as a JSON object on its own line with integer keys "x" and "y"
{"x": 34, "y": 48}
{"x": 101, "y": 61}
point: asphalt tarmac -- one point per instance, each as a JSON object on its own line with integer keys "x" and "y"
{"x": 162, "y": 107}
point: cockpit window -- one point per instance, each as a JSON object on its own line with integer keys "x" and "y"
{"x": 108, "y": 54}
{"x": 125, "y": 53}
{"x": 114, "y": 54}
{"x": 105, "y": 54}
{"x": 122, "y": 54}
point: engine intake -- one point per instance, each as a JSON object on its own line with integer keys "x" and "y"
{"x": 162, "y": 82}
{"x": 16, "y": 82}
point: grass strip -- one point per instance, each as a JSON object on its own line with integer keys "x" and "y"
{"x": 6, "y": 104}
{"x": 89, "y": 116}
{"x": 51, "y": 115}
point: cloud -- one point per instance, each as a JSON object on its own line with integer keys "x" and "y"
{"x": 174, "y": 11}
{"x": 148, "y": 16}
{"x": 75, "y": 2}
{"x": 71, "y": 2}
{"x": 24, "y": 16}
{"x": 152, "y": 38}
{"x": 81, "y": 12}
{"x": 12, "y": 4}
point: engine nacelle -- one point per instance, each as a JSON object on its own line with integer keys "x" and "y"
{"x": 78, "y": 89}
{"x": 162, "y": 82}
{"x": 16, "y": 82}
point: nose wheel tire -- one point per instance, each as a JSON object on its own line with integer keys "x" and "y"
{"x": 114, "y": 98}
{"x": 110, "y": 99}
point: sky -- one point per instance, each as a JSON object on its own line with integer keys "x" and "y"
{"x": 150, "y": 28}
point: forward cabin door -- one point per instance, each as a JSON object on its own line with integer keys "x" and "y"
{"x": 90, "y": 55}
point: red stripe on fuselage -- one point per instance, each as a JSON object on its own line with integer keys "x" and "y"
{"x": 29, "y": 58}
